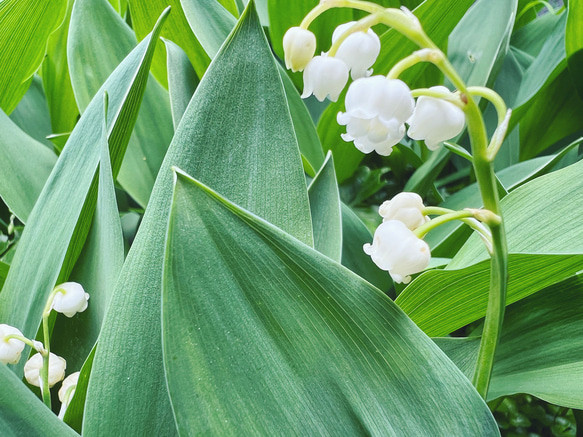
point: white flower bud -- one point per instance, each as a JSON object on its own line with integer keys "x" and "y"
{"x": 435, "y": 120}
{"x": 359, "y": 50}
{"x": 67, "y": 391}
{"x": 10, "y": 349}
{"x": 70, "y": 299}
{"x": 325, "y": 76}
{"x": 398, "y": 250}
{"x": 299, "y": 46}
{"x": 405, "y": 207}
{"x": 376, "y": 111}
{"x": 33, "y": 367}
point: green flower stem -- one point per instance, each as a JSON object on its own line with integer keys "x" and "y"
{"x": 45, "y": 390}
{"x": 22, "y": 339}
{"x": 447, "y": 96}
{"x": 360, "y": 26}
{"x": 493, "y": 97}
{"x": 471, "y": 222}
{"x": 434, "y": 223}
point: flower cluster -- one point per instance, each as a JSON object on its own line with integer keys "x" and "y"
{"x": 395, "y": 246}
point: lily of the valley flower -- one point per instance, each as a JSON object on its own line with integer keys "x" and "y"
{"x": 435, "y": 120}
{"x": 10, "y": 349}
{"x": 34, "y": 365}
{"x": 325, "y": 76}
{"x": 70, "y": 299}
{"x": 376, "y": 111}
{"x": 67, "y": 391}
{"x": 405, "y": 207}
{"x": 299, "y": 46}
{"x": 359, "y": 50}
{"x": 398, "y": 250}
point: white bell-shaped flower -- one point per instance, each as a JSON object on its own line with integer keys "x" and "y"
{"x": 325, "y": 76}
{"x": 376, "y": 111}
{"x": 67, "y": 391}
{"x": 70, "y": 299}
{"x": 405, "y": 207}
{"x": 398, "y": 250}
{"x": 33, "y": 367}
{"x": 299, "y": 46}
{"x": 435, "y": 120}
{"x": 359, "y": 50}
{"x": 10, "y": 349}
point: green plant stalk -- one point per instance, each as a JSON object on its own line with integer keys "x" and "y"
{"x": 45, "y": 390}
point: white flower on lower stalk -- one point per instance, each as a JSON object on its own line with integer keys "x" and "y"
{"x": 325, "y": 76}
{"x": 67, "y": 391}
{"x": 10, "y": 349}
{"x": 376, "y": 111}
{"x": 299, "y": 46}
{"x": 359, "y": 50}
{"x": 435, "y": 120}
{"x": 70, "y": 299}
{"x": 33, "y": 366}
{"x": 398, "y": 250}
{"x": 405, "y": 207}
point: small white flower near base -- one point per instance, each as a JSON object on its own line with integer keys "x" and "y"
{"x": 299, "y": 46}
{"x": 325, "y": 76}
{"x": 398, "y": 250}
{"x": 33, "y": 367}
{"x": 435, "y": 120}
{"x": 70, "y": 299}
{"x": 405, "y": 207}
{"x": 376, "y": 111}
{"x": 67, "y": 391}
{"x": 10, "y": 349}
{"x": 359, "y": 50}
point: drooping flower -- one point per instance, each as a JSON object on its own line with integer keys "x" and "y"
{"x": 325, "y": 76}
{"x": 359, "y": 50}
{"x": 376, "y": 111}
{"x": 435, "y": 120}
{"x": 67, "y": 391}
{"x": 10, "y": 349}
{"x": 70, "y": 299}
{"x": 33, "y": 367}
{"x": 299, "y": 46}
{"x": 405, "y": 207}
{"x": 398, "y": 250}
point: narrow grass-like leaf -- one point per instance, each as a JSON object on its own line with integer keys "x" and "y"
{"x": 239, "y": 140}
{"x": 25, "y": 26}
{"x": 441, "y": 301}
{"x": 99, "y": 40}
{"x": 277, "y": 339}
{"x": 325, "y": 208}
{"x": 23, "y": 414}
{"x": 26, "y": 165}
{"x": 3, "y": 273}
{"x": 58, "y": 224}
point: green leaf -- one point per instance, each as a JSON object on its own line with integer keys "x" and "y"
{"x": 278, "y": 339}
{"x": 182, "y": 80}
{"x": 441, "y": 301}
{"x": 423, "y": 178}
{"x": 3, "y": 273}
{"x": 574, "y": 44}
{"x": 74, "y": 414}
{"x": 354, "y": 235}
{"x": 26, "y": 165}
{"x": 239, "y": 140}
{"x": 144, "y": 14}
{"x": 325, "y": 209}
{"x": 25, "y": 26}
{"x": 98, "y": 41}
{"x": 58, "y": 224}
{"x": 23, "y": 414}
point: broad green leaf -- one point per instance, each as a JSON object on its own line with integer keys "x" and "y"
{"x": 3, "y": 273}
{"x": 239, "y": 140}
{"x": 26, "y": 164}
{"x": 278, "y": 339}
{"x": 58, "y": 224}
{"x": 57, "y": 80}
{"x": 74, "y": 414}
{"x": 574, "y": 44}
{"x": 32, "y": 115}
{"x": 144, "y": 14}
{"x": 25, "y": 26}
{"x": 532, "y": 37}
{"x": 542, "y": 216}
{"x": 354, "y": 235}
{"x": 441, "y": 301}
{"x": 23, "y": 414}
{"x": 182, "y": 80}
{"x": 438, "y": 18}
{"x": 98, "y": 41}
{"x": 325, "y": 209}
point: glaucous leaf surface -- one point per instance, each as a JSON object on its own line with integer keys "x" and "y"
{"x": 276, "y": 338}
{"x": 240, "y": 141}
